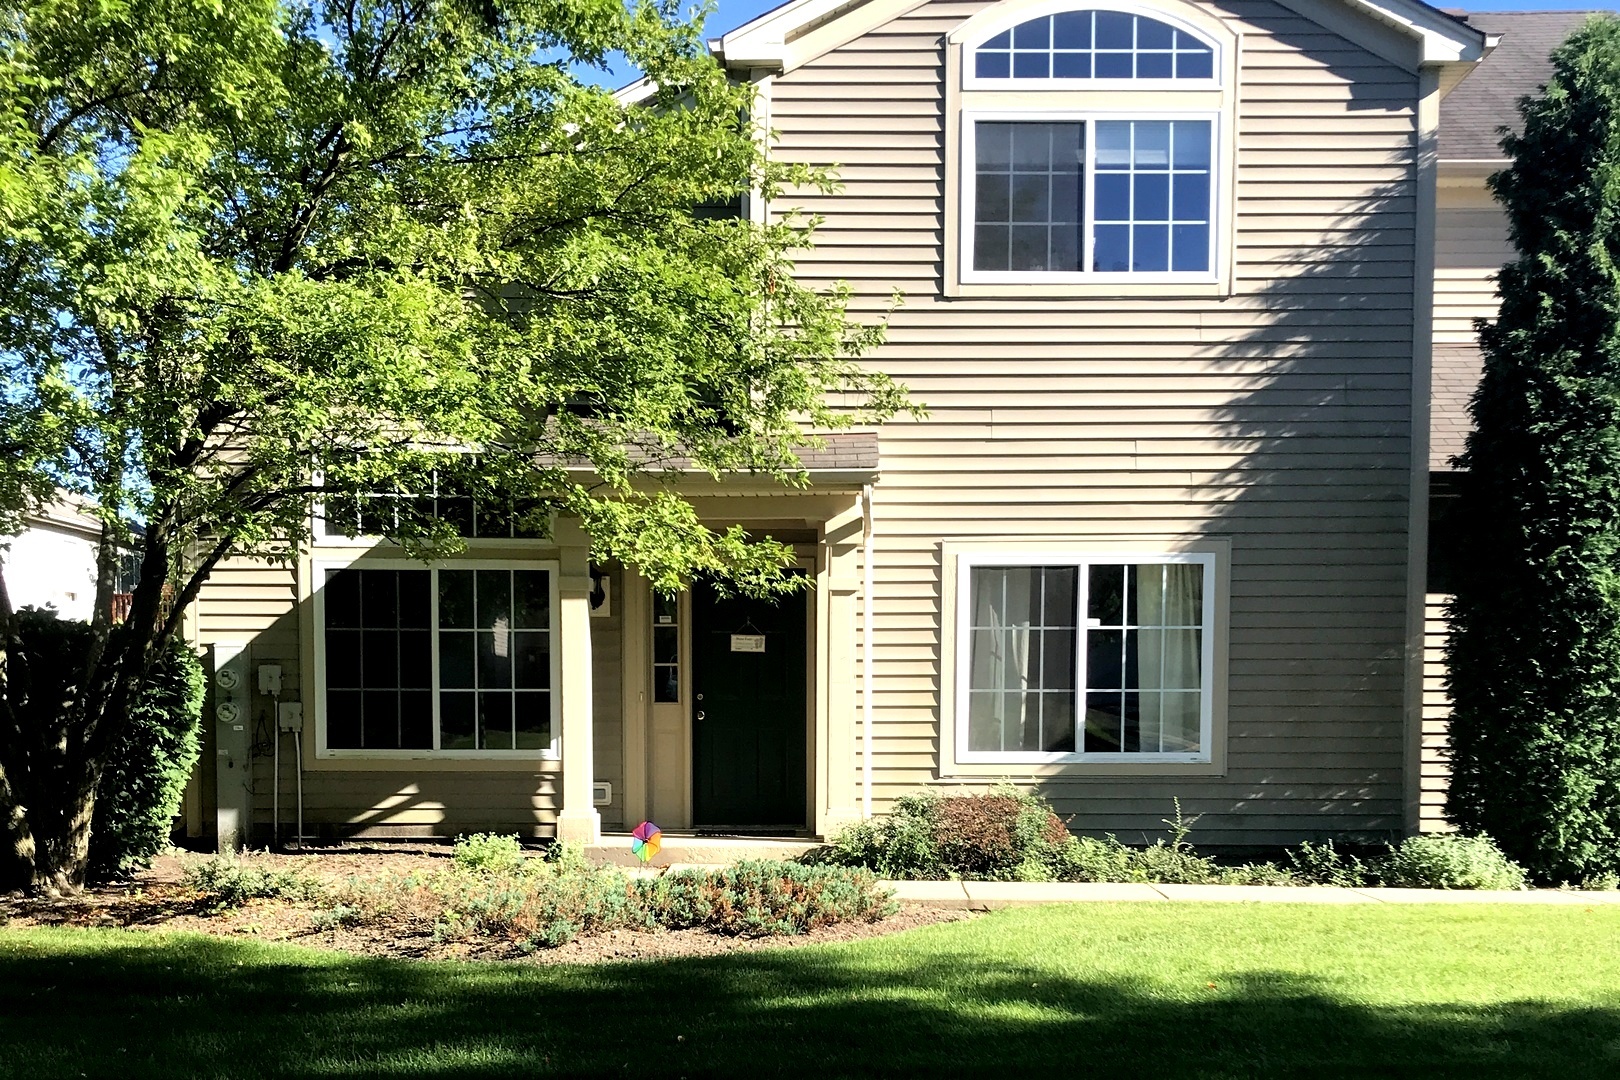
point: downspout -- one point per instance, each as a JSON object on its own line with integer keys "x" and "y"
{"x": 866, "y": 655}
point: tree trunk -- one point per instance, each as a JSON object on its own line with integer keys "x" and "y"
{"x": 48, "y": 843}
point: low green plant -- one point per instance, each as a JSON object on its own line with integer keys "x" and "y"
{"x": 1450, "y": 861}
{"x": 549, "y": 901}
{"x": 1323, "y": 864}
{"x": 488, "y": 852}
{"x": 227, "y": 881}
{"x": 759, "y": 898}
{"x": 1002, "y": 835}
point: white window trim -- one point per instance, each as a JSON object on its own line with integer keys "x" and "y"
{"x": 965, "y": 563}
{"x": 970, "y": 46}
{"x": 969, "y": 183}
{"x": 318, "y": 570}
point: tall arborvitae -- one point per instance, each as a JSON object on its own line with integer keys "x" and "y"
{"x": 1535, "y": 649}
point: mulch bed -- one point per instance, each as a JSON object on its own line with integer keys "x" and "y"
{"x": 155, "y": 900}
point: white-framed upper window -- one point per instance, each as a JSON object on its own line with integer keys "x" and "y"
{"x": 1091, "y": 47}
{"x": 1091, "y": 149}
{"x": 1084, "y": 658}
{"x": 457, "y": 660}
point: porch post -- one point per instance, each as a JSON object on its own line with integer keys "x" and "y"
{"x": 578, "y": 819}
{"x": 840, "y": 583}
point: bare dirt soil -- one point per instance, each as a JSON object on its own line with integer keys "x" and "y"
{"x": 156, "y": 900}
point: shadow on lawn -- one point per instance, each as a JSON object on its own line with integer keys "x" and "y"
{"x": 204, "y": 1007}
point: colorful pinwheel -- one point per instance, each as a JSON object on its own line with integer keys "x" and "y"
{"x": 646, "y": 840}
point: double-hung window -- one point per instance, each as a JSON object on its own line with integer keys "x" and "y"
{"x": 458, "y": 660}
{"x": 1091, "y": 150}
{"x": 1084, "y": 658}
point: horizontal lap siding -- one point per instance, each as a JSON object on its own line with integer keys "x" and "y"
{"x": 1277, "y": 418}
{"x": 256, "y": 604}
{"x": 1436, "y": 769}
{"x": 1471, "y": 244}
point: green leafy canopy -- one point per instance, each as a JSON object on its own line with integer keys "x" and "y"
{"x": 247, "y": 246}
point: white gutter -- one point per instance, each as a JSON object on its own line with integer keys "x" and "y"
{"x": 866, "y": 656}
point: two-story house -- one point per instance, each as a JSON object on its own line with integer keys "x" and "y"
{"x": 1169, "y": 274}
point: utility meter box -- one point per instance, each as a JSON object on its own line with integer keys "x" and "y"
{"x": 232, "y": 717}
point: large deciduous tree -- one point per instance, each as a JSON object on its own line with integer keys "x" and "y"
{"x": 1535, "y": 647}
{"x": 264, "y": 253}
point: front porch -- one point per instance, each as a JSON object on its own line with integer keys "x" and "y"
{"x": 733, "y": 716}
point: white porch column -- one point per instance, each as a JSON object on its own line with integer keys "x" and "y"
{"x": 579, "y": 819}
{"x": 836, "y": 775}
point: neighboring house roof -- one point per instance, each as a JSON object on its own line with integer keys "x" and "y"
{"x": 67, "y": 512}
{"x": 1488, "y": 97}
{"x": 1455, "y": 374}
{"x": 1471, "y": 117}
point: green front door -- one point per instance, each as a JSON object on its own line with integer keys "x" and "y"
{"x": 748, "y": 711}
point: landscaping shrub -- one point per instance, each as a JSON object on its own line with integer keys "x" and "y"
{"x": 1004, "y": 835}
{"x": 759, "y": 898}
{"x": 230, "y": 880}
{"x": 1450, "y": 861}
{"x": 548, "y": 902}
{"x": 1322, "y": 864}
{"x": 1007, "y": 835}
{"x": 145, "y": 778}
{"x": 488, "y": 852}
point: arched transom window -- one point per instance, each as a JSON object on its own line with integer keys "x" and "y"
{"x": 1094, "y": 45}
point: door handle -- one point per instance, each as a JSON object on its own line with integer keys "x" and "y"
{"x": 700, "y": 714}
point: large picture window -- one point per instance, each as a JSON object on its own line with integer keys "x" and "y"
{"x": 1091, "y": 658}
{"x": 458, "y": 660}
{"x": 1090, "y": 195}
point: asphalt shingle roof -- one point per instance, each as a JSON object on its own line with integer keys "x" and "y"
{"x": 1455, "y": 373}
{"x": 1488, "y": 96}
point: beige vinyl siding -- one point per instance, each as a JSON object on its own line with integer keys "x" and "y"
{"x": 257, "y": 604}
{"x": 1277, "y": 418}
{"x": 1436, "y": 770}
{"x": 1471, "y": 244}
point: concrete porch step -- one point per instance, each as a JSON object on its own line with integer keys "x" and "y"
{"x": 688, "y": 849}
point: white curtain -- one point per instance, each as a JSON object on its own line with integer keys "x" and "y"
{"x": 1001, "y": 704}
{"x": 1169, "y": 655}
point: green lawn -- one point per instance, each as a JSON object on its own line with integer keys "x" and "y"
{"x": 1152, "y": 990}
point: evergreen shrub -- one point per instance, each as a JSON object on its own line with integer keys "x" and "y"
{"x": 145, "y": 778}
{"x": 1534, "y": 648}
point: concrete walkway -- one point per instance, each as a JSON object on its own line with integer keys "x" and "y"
{"x": 989, "y": 895}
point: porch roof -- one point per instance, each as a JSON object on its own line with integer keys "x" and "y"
{"x": 844, "y": 458}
